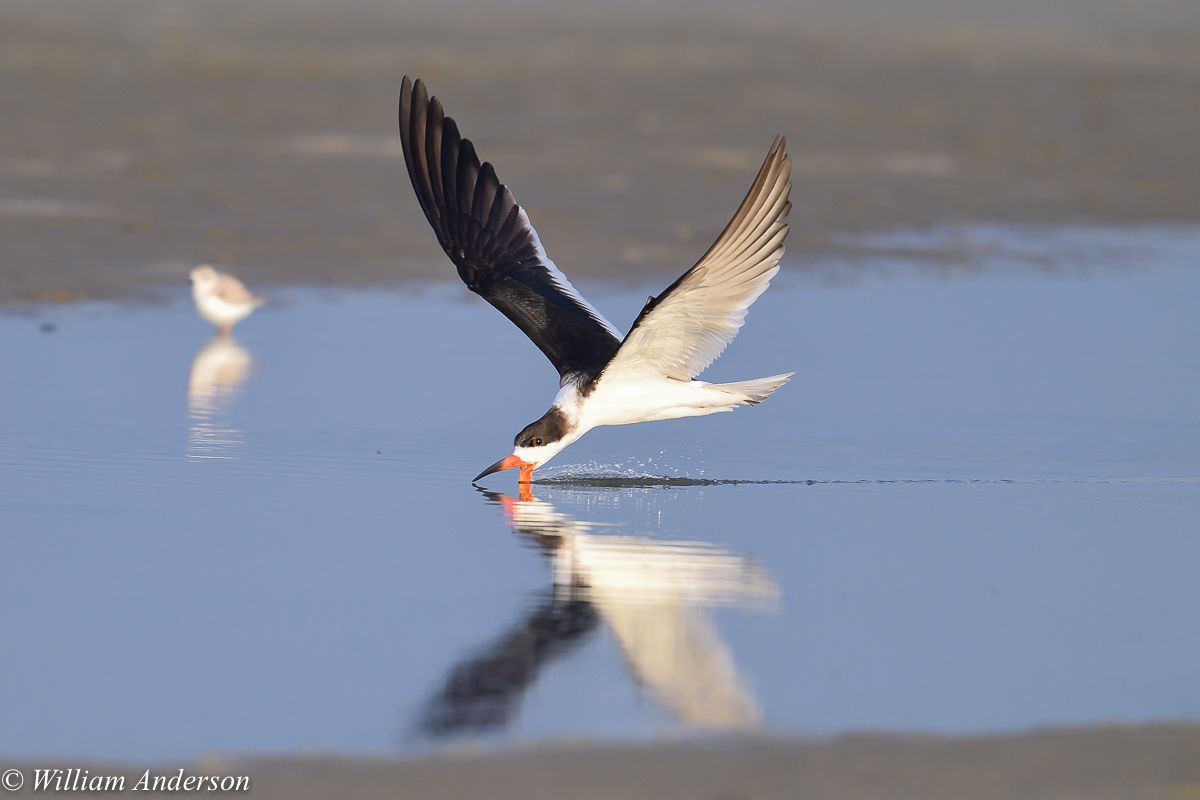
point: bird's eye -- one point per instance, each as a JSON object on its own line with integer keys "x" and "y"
{"x": 537, "y": 442}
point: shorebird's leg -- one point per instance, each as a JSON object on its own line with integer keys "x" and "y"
{"x": 224, "y": 330}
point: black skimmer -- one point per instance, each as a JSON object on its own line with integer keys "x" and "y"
{"x": 604, "y": 378}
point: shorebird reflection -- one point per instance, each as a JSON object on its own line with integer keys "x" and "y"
{"x": 218, "y": 372}
{"x": 650, "y": 593}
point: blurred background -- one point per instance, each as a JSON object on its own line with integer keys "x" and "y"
{"x": 144, "y": 136}
{"x": 956, "y": 557}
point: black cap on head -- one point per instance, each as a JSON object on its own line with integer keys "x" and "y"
{"x": 552, "y": 427}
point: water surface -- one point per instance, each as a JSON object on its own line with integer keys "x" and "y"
{"x": 973, "y": 509}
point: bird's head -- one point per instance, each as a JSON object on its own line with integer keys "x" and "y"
{"x": 537, "y": 443}
{"x": 203, "y": 276}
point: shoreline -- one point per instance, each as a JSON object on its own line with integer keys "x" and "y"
{"x": 1106, "y": 761}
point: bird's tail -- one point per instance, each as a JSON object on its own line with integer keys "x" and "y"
{"x": 757, "y": 390}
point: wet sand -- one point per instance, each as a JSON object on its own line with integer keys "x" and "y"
{"x": 144, "y": 136}
{"x": 1147, "y": 762}
{"x": 1160, "y": 761}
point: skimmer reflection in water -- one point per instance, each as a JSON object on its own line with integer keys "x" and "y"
{"x": 650, "y": 594}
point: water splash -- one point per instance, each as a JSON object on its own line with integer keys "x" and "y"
{"x": 659, "y": 470}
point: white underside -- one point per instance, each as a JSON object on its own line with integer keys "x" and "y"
{"x": 652, "y": 398}
{"x": 645, "y": 398}
{"x": 218, "y": 311}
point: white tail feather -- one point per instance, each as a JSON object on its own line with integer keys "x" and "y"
{"x": 757, "y": 390}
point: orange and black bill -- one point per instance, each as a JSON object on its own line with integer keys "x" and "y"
{"x": 505, "y": 463}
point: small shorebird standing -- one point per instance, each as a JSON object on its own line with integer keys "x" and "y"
{"x": 603, "y": 379}
{"x": 221, "y": 299}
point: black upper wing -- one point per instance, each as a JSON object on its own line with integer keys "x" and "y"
{"x": 488, "y": 237}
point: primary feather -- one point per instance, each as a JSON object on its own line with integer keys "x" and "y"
{"x": 490, "y": 240}
{"x": 682, "y": 331}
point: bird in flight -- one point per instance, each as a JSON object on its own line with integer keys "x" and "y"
{"x": 604, "y": 378}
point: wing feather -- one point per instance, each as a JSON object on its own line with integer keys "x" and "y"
{"x": 488, "y": 236}
{"x": 231, "y": 290}
{"x": 683, "y": 330}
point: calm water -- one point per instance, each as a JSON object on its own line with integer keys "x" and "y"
{"x": 983, "y": 514}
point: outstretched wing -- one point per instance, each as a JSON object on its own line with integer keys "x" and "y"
{"x": 488, "y": 237}
{"x": 683, "y": 330}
